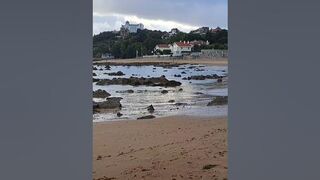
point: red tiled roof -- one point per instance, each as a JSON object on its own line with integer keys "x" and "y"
{"x": 182, "y": 44}
{"x": 163, "y": 45}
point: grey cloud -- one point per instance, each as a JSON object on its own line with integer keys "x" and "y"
{"x": 196, "y": 13}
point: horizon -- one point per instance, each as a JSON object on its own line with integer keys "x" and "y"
{"x": 110, "y": 15}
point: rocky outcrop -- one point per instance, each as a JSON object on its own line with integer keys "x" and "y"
{"x": 136, "y": 81}
{"x": 164, "y": 91}
{"x": 150, "y": 109}
{"x": 110, "y": 103}
{"x": 119, "y": 73}
{"x": 126, "y": 91}
{"x": 95, "y": 80}
{"x": 147, "y": 117}
{"x": 119, "y": 114}
{"x": 101, "y": 94}
{"x": 218, "y": 100}
{"x": 202, "y": 77}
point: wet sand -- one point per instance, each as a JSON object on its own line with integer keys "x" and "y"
{"x": 204, "y": 61}
{"x": 178, "y": 147}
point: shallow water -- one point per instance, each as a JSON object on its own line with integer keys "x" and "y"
{"x": 135, "y": 104}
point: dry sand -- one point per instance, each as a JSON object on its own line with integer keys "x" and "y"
{"x": 177, "y": 147}
{"x": 204, "y": 61}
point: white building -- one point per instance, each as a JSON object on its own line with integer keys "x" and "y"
{"x": 181, "y": 48}
{"x": 162, "y": 47}
{"x": 132, "y": 28}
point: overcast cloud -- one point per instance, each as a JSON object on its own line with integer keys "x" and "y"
{"x": 162, "y": 15}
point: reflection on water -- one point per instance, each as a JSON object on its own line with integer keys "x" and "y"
{"x": 196, "y": 93}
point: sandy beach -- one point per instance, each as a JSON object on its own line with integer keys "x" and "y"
{"x": 203, "y": 61}
{"x": 177, "y": 147}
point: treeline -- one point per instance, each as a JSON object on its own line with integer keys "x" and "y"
{"x": 145, "y": 40}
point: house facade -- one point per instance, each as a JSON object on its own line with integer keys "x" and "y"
{"x": 162, "y": 48}
{"x": 181, "y": 48}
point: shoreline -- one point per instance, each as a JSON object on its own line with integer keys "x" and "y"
{"x": 175, "y": 147}
{"x": 157, "y": 61}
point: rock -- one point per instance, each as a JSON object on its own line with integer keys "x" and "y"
{"x": 126, "y": 91}
{"x": 119, "y": 114}
{"x": 165, "y": 70}
{"x": 184, "y": 78}
{"x": 119, "y": 73}
{"x": 202, "y": 77}
{"x": 171, "y": 101}
{"x": 219, "y": 80}
{"x": 136, "y": 81}
{"x": 94, "y": 74}
{"x": 180, "y": 104}
{"x": 198, "y": 93}
{"x": 218, "y": 100}
{"x": 110, "y": 103}
{"x": 180, "y": 89}
{"x": 101, "y": 94}
{"x": 164, "y": 91}
{"x": 108, "y": 67}
{"x": 183, "y": 72}
{"x": 94, "y": 68}
{"x": 95, "y": 80}
{"x": 100, "y": 69}
{"x": 177, "y": 75}
{"x": 150, "y": 109}
{"x": 146, "y": 117}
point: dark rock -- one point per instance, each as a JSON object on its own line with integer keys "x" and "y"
{"x": 184, "y": 78}
{"x": 119, "y": 73}
{"x": 147, "y": 117}
{"x": 110, "y": 103}
{"x": 126, "y": 91}
{"x": 94, "y": 68}
{"x": 198, "y": 93}
{"x": 101, "y": 94}
{"x": 171, "y": 101}
{"x": 150, "y": 109}
{"x": 218, "y": 100}
{"x": 183, "y": 72}
{"x": 95, "y": 80}
{"x": 180, "y": 89}
{"x": 94, "y": 74}
{"x": 219, "y": 80}
{"x": 177, "y": 75}
{"x": 180, "y": 104}
{"x": 202, "y": 77}
{"x": 119, "y": 114}
{"x": 164, "y": 91}
{"x": 108, "y": 67}
{"x": 135, "y": 81}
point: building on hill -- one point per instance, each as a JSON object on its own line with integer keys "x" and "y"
{"x": 174, "y": 31}
{"x": 181, "y": 48}
{"x": 163, "y": 48}
{"x": 202, "y": 30}
{"x": 217, "y": 29}
{"x": 132, "y": 28}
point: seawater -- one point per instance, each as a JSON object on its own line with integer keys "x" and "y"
{"x": 196, "y": 93}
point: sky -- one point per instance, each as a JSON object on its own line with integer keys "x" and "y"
{"x": 186, "y": 15}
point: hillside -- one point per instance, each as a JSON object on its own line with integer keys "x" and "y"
{"x": 144, "y": 41}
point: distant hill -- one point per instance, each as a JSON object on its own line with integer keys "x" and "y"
{"x": 122, "y": 45}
